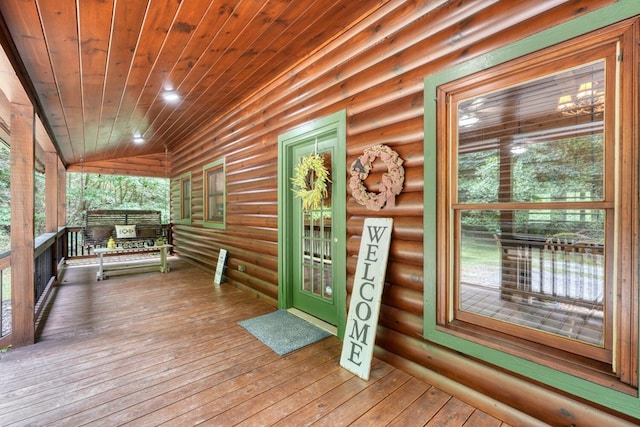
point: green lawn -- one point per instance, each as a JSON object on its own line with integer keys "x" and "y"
{"x": 480, "y": 262}
{"x": 480, "y": 252}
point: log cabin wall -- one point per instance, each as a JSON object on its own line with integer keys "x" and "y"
{"x": 375, "y": 72}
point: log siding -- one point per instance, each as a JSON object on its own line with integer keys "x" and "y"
{"x": 374, "y": 71}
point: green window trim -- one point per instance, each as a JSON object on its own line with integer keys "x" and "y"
{"x": 183, "y": 215}
{"x": 218, "y": 194}
{"x": 583, "y": 388}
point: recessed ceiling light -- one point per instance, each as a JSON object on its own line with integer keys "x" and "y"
{"x": 171, "y": 96}
{"x": 138, "y": 139}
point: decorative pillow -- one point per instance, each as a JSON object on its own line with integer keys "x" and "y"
{"x": 125, "y": 231}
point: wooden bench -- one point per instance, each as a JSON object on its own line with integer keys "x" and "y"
{"x": 113, "y": 269}
{"x": 134, "y": 231}
{"x": 100, "y": 225}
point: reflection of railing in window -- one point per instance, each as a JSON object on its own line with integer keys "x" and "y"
{"x": 565, "y": 268}
{"x": 317, "y": 242}
{"x": 317, "y": 264}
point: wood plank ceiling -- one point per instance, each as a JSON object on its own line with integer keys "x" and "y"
{"x": 98, "y": 69}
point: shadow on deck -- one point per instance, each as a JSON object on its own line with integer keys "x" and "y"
{"x": 152, "y": 348}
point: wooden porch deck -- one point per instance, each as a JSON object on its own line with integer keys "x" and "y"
{"x": 150, "y": 348}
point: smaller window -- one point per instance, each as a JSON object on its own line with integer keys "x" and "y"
{"x": 213, "y": 176}
{"x": 184, "y": 214}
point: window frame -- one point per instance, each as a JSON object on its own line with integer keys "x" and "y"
{"x": 511, "y": 74}
{"x": 497, "y": 349}
{"x": 218, "y": 165}
{"x": 183, "y": 199}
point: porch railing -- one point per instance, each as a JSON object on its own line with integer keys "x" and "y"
{"x": 74, "y": 244}
{"x": 47, "y": 257}
{"x": 569, "y": 272}
{"x": 51, "y": 250}
{"x": 77, "y": 249}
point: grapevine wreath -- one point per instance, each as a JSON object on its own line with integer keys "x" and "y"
{"x": 311, "y": 191}
{"x": 391, "y": 183}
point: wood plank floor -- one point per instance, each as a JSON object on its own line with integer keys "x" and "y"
{"x": 150, "y": 349}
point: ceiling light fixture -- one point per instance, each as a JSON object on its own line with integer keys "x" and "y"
{"x": 171, "y": 96}
{"x": 138, "y": 139}
{"x": 588, "y": 100}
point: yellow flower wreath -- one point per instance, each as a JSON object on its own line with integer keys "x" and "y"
{"x": 311, "y": 197}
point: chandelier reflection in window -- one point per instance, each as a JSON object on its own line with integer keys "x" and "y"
{"x": 588, "y": 100}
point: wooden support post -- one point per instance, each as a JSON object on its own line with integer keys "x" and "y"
{"x": 22, "y": 227}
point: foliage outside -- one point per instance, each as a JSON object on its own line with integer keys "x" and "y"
{"x": 562, "y": 170}
{"x": 96, "y": 191}
{"x": 84, "y": 192}
{"x": 5, "y": 198}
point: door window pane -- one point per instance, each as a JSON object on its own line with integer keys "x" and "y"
{"x": 317, "y": 244}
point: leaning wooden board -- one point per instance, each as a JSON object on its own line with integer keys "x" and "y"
{"x": 364, "y": 308}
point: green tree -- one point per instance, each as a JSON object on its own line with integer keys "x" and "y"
{"x": 97, "y": 191}
{"x": 554, "y": 170}
{"x": 84, "y": 191}
{"x": 5, "y": 197}
{"x": 39, "y": 204}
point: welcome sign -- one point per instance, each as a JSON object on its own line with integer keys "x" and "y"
{"x": 364, "y": 308}
{"x": 217, "y": 278}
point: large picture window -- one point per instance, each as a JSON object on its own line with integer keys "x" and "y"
{"x": 213, "y": 176}
{"x": 535, "y": 194}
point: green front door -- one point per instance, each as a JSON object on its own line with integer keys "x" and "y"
{"x": 312, "y": 241}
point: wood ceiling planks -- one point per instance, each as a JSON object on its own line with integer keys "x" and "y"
{"x": 98, "y": 67}
{"x": 60, "y": 34}
{"x": 94, "y": 54}
{"x": 128, "y": 19}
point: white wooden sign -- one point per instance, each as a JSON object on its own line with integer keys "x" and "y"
{"x": 217, "y": 279}
{"x": 364, "y": 308}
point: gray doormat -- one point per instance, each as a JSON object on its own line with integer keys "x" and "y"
{"x": 283, "y": 332}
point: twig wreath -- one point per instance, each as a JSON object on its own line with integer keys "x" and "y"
{"x": 391, "y": 183}
{"x": 311, "y": 189}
